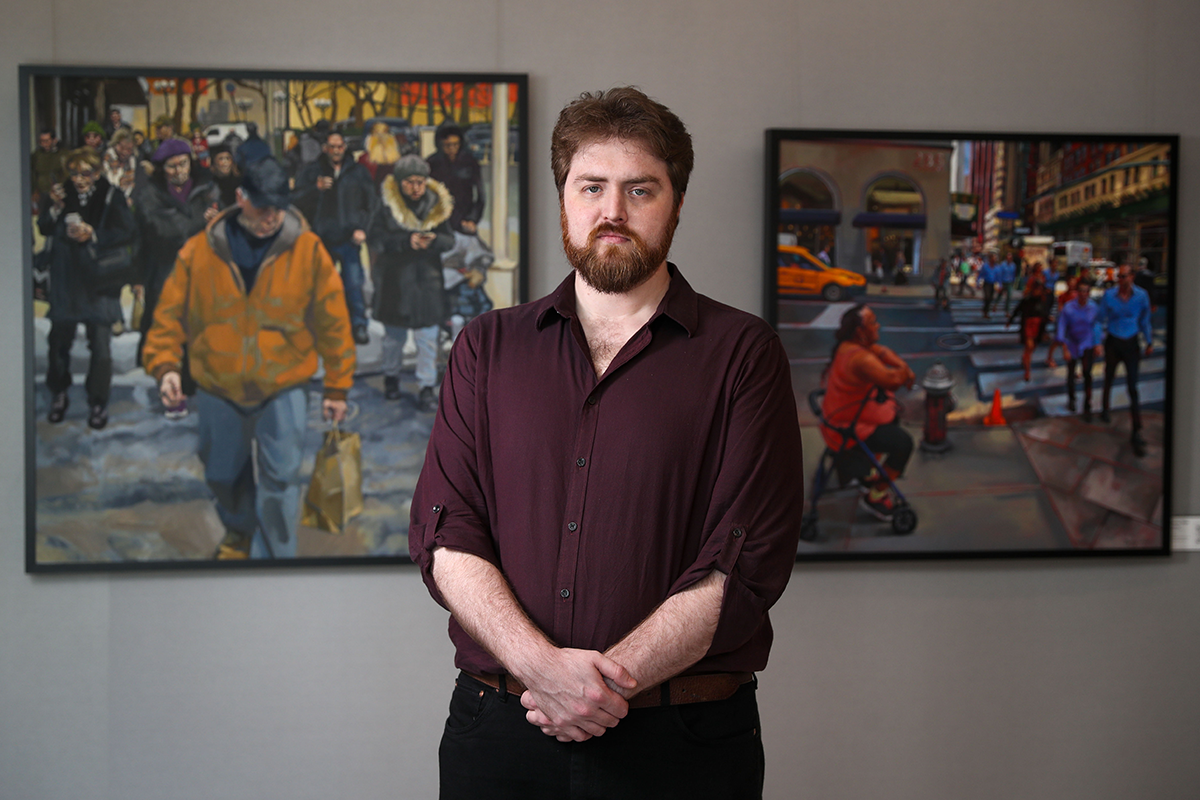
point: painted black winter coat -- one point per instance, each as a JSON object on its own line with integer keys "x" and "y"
{"x": 409, "y": 285}
{"x": 71, "y": 295}
{"x": 165, "y": 223}
{"x": 335, "y": 214}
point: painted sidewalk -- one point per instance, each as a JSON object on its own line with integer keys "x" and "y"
{"x": 1045, "y": 484}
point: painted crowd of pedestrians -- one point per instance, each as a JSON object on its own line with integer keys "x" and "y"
{"x": 211, "y": 247}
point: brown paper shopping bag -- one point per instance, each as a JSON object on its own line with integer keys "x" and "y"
{"x": 335, "y": 491}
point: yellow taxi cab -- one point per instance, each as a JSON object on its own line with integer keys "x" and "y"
{"x": 800, "y": 272}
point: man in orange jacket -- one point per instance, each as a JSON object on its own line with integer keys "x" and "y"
{"x": 256, "y": 299}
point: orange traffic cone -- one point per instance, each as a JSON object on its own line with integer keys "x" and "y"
{"x": 996, "y": 415}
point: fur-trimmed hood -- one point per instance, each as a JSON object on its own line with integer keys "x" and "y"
{"x": 439, "y": 210}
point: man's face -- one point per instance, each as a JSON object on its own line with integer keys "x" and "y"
{"x": 618, "y": 215}
{"x": 413, "y": 187}
{"x": 451, "y": 145}
{"x": 335, "y": 148}
{"x": 124, "y": 148}
{"x": 46, "y": 141}
{"x": 165, "y": 132}
{"x": 260, "y": 222}
{"x": 177, "y": 168}
{"x": 222, "y": 164}
{"x": 114, "y": 116}
{"x": 1125, "y": 277}
{"x": 83, "y": 177}
{"x": 92, "y": 139}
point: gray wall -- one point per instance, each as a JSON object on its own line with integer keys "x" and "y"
{"x": 919, "y": 680}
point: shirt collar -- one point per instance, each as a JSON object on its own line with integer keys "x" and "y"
{"x": 680, "y": 303}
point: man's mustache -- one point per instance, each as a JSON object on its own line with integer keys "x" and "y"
{"x": 609, "y": 227}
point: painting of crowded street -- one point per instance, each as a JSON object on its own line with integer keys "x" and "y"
{"x": 980, "y": 335}
{"x": 243, "y": 290}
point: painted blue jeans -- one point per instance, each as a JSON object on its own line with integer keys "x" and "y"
{"x": 426, "y": 340}
{"x": 350, "y": 257}
{"x": 267, "y": 510}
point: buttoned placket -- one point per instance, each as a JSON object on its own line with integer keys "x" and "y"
{"x": 581, "y": 464}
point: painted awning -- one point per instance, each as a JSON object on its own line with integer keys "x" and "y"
{"x": 881, "y": 220}
{"x": 811, "y": 216}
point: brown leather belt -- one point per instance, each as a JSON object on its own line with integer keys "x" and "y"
{"x": 673, "y": 692}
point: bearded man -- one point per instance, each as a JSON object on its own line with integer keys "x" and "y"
{"x": 611, "y": 500}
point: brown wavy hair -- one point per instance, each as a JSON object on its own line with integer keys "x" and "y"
{"x": 622, "y": 113}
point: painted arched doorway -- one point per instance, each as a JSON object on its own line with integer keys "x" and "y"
{"x": 892, "y": 223}
{"x": 809, "y": 211}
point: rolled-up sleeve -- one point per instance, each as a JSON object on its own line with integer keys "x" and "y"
{"x": 449, "y": 507}
{"x": 758, "y": 499}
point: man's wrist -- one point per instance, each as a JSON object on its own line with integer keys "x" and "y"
{"x": 528, "y": 658}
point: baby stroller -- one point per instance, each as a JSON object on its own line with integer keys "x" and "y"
{"x": 904, "y": 519}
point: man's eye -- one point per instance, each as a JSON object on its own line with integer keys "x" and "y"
{"x": 639, "y": 192}
{"x": 591, "y": 189}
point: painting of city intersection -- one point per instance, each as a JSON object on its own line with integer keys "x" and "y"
{"x": 220, "y": 265}
{"x": 980, "y": 335}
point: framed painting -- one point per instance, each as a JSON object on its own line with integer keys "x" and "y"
{"x": 221, "y": 264}
{"x": 980, "y": 328}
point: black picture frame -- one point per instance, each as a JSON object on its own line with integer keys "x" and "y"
{"x": 1039, "y": 481}
{"x": 132, "y": 495}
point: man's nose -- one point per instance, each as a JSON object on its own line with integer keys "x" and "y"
{"x": 615, "y": 207}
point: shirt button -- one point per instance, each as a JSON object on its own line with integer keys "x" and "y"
{"x": 737, "y": 533}
{"x": 565, "y": 593}
{"x": 592, "y": 401}
{"x": 571, "y": 526}
{"x": 436, "y": 509}
{"x": 581, "y": 462}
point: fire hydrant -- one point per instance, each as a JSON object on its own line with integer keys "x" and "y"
{"x": 938, "y": 403}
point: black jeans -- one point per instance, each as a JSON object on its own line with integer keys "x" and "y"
{"x": 695, "y": 751}
{"x": 989, "y": 297}
{"x": 1086, "y": 359}
{"x": 100, "y": 366}
{"x": 1127, "y": 352}
{"x": 890, "y": 443}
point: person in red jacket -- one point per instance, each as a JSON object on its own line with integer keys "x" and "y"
{"x": 859, "y": 382}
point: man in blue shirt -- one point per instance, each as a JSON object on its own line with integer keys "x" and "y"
{"x": 1124, "y": 313}
{"x": 988, "y": 277}
{"x": 1006, "y": 274}
{"x": 1079, "y": 334}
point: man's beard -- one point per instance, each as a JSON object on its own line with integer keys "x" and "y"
{"x": 612, "y": 269}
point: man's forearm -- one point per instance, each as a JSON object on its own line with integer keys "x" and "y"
{"x": 572, "y": 694}
{"x": 483, "y": 604}
{"x": 676, "y": 635}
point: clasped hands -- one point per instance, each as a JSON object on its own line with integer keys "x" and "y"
{"x": 574, "y": 694}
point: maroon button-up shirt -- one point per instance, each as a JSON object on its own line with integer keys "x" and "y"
{"x": 601, "y": 497}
